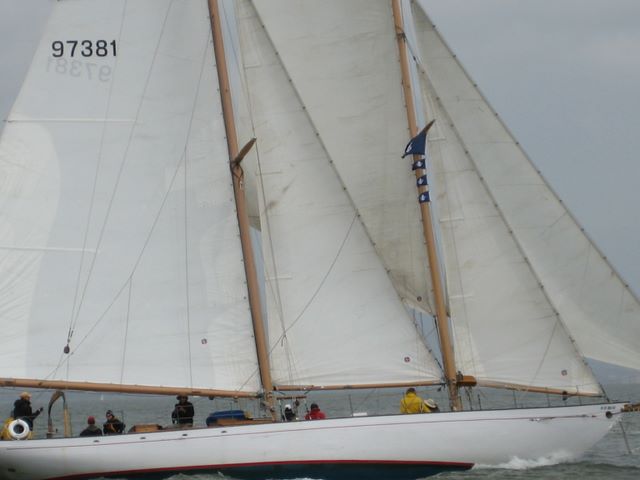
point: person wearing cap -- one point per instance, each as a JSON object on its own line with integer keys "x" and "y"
{"x": 113, "y": 425}
{"x": 22, "y": 409}
{"x": 288, "y": 415}
{"x": 412, "y": 403}
{"x": 92, "y": 430}
{"x": 183, "y": 411}
{"x": 315, "y": 413}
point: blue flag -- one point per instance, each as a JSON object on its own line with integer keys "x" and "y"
{"x": 417, "y": 144}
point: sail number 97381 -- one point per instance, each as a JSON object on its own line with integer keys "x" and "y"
{"x": 84, "y": 48}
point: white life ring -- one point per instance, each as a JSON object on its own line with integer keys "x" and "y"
{"x": 19, "y": 429}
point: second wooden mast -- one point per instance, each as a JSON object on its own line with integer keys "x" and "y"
{"x": 241, "y": 204}
{"x": 442, "y": 320}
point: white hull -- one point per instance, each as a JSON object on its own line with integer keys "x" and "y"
{"x": 401, "y": 446}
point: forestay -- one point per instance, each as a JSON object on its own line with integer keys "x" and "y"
{"x": 519, "y": 270}
{"x": 327, "y": 181}
{"x": 117, "y": 217}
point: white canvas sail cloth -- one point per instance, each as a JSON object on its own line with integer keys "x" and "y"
{"x": 334, "y": 316}
{"x": 352, "y": 91}
{"x": 515, "y": 256}
{"x": 117, "y": 219}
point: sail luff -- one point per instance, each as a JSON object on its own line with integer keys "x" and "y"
{"x": 446, "y": 345}
{"x": 241, "y": 206}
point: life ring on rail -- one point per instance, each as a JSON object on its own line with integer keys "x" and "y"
{"x": 19, "y": 429}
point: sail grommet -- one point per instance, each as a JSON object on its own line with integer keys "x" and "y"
{"x": 19, "y": 429}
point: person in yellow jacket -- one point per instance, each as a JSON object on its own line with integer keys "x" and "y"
{"x": 412, "y": 403}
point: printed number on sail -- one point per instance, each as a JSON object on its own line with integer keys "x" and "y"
{"x": 84, "y": 48}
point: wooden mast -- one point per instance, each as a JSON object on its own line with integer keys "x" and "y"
{"x": 442, "y": 320}
{"x": 241, "y": 205}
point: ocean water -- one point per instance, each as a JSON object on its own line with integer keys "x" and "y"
{"x": 617, "y": 456}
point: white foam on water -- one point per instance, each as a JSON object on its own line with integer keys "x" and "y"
{"x": 525, "y": 464}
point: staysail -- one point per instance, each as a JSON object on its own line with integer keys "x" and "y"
{"x": 118, "y": 231}
{"x": 334, "y": 316}
{"x": 517, "y": 262}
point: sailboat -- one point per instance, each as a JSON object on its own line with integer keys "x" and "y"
{"x": 130, "y": 186}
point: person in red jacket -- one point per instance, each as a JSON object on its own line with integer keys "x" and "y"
{"x": 315, "y": 413}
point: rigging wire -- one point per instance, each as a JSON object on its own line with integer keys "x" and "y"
{"x": 116, "y": 184}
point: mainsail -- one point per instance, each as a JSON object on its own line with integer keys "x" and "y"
{"x": 118, "y": 228}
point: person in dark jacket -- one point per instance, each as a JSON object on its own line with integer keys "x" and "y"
{"x": 183, "y": 411}
{"x": 22, "y": 409}
{"x": 289, "y": 415}
{"x": 92, "y": 430}
{"x": 113, "y": 425}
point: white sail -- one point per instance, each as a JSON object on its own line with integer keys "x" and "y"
{"x": 352, "y": 91}
{"x": 509, "y": 301}
{"x": 117, "y": 220}
{"x": 334, "y": 317}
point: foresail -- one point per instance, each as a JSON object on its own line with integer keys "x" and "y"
{"x": 334, "y": 317}
{"x": 519, "y": 269}
{"x": 117, "y": 223}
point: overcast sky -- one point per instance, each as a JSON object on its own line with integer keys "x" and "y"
{"x": 563, "y": 74}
